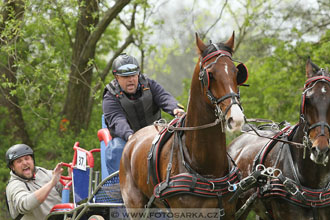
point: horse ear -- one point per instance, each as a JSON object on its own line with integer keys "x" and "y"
{"x": 311, "y": 68}
{"x": 200, "y": 45}
{"x": 231, "y": 42}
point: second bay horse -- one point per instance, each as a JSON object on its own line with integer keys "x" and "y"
{"x": 301, "y": 187}
{"x": 191, "y": 169}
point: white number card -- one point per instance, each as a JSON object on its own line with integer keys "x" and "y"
{"x": 81, "y": 160}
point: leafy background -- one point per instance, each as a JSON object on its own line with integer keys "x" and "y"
{"x": 44, "y": 102}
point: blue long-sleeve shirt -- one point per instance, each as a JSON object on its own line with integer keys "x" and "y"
{"x": 115, "y": 116}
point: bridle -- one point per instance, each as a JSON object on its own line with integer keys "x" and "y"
{"x": 205, "y": 81}
{"x": 309, "y": 84}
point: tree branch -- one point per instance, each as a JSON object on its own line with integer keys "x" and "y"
{"x": 103, "y": 24}
{"x": 203, "y": 35}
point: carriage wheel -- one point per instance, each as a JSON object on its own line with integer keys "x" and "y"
{"x": 96, "y": 217}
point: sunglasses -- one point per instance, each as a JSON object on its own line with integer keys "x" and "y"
{"x": 127, "y": 68}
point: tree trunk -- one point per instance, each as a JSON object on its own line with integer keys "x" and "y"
{"x": 13, "y": 12}
{"x": 77, "y": 107}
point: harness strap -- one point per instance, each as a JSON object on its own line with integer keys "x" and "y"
{"x": 155, "y": 150}
{"x": 246, "y": 205}
{"x": 253, "y": 180}
{"x": 184, "y": 182}
{"x": 151, "y": 200}
{"x": 303, "y": 197}
{"x": 295, "y": 173}
{"x": 220, "y": 206}
{"x": 186, "y": 165}
{"x": 292, "y": 187}
{"x": 315, "y": 213}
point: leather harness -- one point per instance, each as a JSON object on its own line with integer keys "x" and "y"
{"x": 184, "y": 183}
{"x": 282, "y": 187}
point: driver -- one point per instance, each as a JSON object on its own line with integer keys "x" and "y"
{"x": 130, "y": 102}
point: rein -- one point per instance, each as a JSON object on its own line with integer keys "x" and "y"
{"x": 298, "y": 145}
{"x": 162, "y": 123}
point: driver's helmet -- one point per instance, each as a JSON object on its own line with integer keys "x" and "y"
{"x": 125, "y": 65}
{"x": 17, "y": 151}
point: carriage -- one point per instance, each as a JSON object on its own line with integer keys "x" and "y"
{"x": 95, "y": 194}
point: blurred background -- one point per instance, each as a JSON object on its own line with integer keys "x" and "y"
{"x": 56, "y": 57}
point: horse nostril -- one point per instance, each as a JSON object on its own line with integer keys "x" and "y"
{"x": 315, "y": 150}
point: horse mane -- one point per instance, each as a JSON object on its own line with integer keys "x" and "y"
{"x": 211, "y": 48}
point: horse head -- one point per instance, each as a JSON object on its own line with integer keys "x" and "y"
{"x": 220, "y": 80}
{"x": 315, "y": 113}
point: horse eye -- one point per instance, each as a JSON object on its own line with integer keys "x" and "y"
{"x": 309, "y": 93}
{"x": 211, "y": 75}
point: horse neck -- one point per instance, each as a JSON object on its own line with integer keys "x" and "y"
{"x": 205, "y": 148}
{"x": 310, "y": 174}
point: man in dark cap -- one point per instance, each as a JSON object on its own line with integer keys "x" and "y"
{"x": 130, "y": 102}
{"x": 31, "y": 191}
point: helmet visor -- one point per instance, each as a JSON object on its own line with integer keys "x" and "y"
{"x": 127, "y": 70}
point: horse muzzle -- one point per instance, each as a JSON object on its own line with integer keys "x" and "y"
{"x": 320, "y": 151}
{"x": 235, "y": 120}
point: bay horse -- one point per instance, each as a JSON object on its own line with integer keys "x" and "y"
{"x": 191, "y": 169}
{"x": 299, "y": 155}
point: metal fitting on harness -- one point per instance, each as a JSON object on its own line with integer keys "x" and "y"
{"x": 222, "y": 212}
{"x": 291, "y": 186}
{"x": 247, "y": 183}
{"x": 293, "y": 189}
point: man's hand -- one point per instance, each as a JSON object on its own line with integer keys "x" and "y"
{"x": 42, "y": 193}
{"x": 129, "y": 137}
{"x": 57, "y": 172}
{"x": 178, "y": 112}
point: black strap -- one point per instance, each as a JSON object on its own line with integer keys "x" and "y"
{"x": 246, "y": 205}
{"x": 253, "y": 180}
{"x": 315, "y": 213}
{"x": 220, "y": 206}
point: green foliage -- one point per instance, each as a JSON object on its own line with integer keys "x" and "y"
{"x": 276, "y": 80}
{"x": 43, "y": 55}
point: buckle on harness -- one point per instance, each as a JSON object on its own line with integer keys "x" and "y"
{"x": 213, "y": 187}
{"x": 149, "y": 156}
{"x": 221, "y": 212}
{"x": 245, "y": 183}
{"x": 291, "y": 187}
{"x": 232, "y": 187}
{"x": 160, "y": 188}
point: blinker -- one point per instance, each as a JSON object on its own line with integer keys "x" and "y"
{"x": 242, "y": 74}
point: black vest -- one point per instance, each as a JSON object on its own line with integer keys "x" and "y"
{"x": 140, "y": 112}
